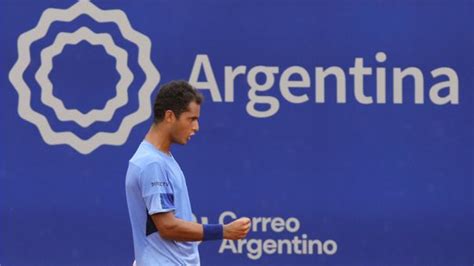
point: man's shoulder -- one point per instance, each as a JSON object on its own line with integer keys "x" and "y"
{"x": 144, "y": 158}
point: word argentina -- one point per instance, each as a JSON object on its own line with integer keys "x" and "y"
{"x": 255, "y": 248}
{"x": 295, "y": 80}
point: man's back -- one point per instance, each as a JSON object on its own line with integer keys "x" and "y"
{"x": 155, "y": 184}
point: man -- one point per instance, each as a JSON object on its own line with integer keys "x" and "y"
{"x": 157, "y": 196}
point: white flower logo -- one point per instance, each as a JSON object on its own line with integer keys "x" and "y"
{"x": 152, "y": 77}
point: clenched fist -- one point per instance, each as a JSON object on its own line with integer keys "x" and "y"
{"x": 237, "y": 229}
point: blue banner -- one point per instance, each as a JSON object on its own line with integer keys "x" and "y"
{"x": 343, "y": 129}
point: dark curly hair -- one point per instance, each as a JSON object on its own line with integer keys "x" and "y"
{"x": 175, "y": 96}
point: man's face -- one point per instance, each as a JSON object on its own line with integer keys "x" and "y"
{"x": 187, "y": 124}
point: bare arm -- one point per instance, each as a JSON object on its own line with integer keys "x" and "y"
{"x": 172, "y": 228}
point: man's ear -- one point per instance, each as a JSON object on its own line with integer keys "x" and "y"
{"x": 169, "y": 116}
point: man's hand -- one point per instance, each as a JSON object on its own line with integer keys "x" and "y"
{"x": 237, "y": 229}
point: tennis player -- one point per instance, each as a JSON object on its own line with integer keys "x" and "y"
{"x": 157, "y": 196}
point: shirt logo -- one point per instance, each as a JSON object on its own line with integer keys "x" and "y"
{"x": 159, "y": 184}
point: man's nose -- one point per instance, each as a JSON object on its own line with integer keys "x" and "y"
{"x": 196, "y": 126}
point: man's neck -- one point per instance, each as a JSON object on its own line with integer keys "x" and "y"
{"x": 159, "y": 138}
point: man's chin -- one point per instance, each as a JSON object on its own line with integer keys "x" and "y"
{"x": 182, "y": 142}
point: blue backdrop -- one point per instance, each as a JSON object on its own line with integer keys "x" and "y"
{"x": 332, "y": 182}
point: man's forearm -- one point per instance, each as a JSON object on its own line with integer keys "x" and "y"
{"x": 172, "y": 228}
{"x": 181, "y": 230}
